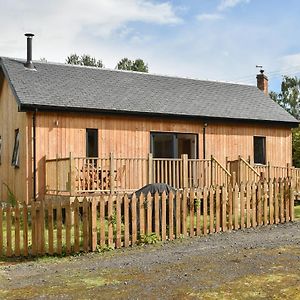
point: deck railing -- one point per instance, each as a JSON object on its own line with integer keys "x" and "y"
{"x": 78, "y": 175}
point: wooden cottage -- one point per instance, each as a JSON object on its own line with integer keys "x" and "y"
{"x": 50, "y": 111}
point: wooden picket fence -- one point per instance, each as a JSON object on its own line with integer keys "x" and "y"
{"x": 114, "y": 221}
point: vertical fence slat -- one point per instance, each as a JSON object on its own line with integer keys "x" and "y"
{"x": 198, "y": 212}
{"x": 205, "y": 195}
{"x": 133, "y": 220}
{"x": 236, "y": 206}
{"x": 248, "y": 205}
{"x": 42, "y": 227}
{"x": 94, "y": 205}
{"x": 126, "y": 221}
{"x": 271, "y": 201}
{"x": 68, "y": 228}
{"x": 102, "y": 220}
{"x": 17, "y": 230}
{"x": 218, "y": 209}
{"x": 142, "y": 214}
{"x": 157, "y": 209}
{"x": 33, "y": 227}
{"x": 211, "y": 209}
{"x": 25, "y": 229}
{"x": 184, "y": 214}
{"x": 242, "y": 204}
{"x": 163, "y": 216}
{"x": 259, "y": 203}
{"x": 281, "y": 193}
{"x": 8, "y": 231}
{"x": 50, "y": 228}
{"x": 265, "y": 203}
{"x": 192, "y": 201}
{"x": 224, "y": 209}
{"x": 149, "y": 213}
{"x": 177, "y": 218}
{"x": 253, "y": 204}
{"x": 58, "y": 227}
{"x": 76, "y": 226}
{"x": 276, "y": 200}
{"x": 118, "y": 221}
{"x": 171, "y": 216}
{"x": 286, "y": 200}
{"x": 110, "y": 220}
{"x": 230, "y": 206}
{"x": 292, "y": 199}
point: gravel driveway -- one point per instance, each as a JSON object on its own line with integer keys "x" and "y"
{"x": 262, "y": 263}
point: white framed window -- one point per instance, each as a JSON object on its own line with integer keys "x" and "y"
{"x": 16, "y": 152}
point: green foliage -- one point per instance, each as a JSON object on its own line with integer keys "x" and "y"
{"x": 297, "y": 211}
{"x": 151, "y": 238}
{"x": 84, "y": 60}
{"x": 137, "y": 65}
{"x": 105, "y": 248}
{"x": 289, "y": 99}
{"x": 296, "y": 147}
{"x": 12, "y": 200}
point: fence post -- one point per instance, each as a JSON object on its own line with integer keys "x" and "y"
{"x": 112, "y": 172}
{"x": 150, "y": 168}
{"x": 185, "y": 172}
{"x": 269, "y": 170}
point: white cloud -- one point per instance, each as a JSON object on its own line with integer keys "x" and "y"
{"x": 209, "y": 17}
{"x": 69, "y": 24}
{"x": 289, "y": 64}
{"x": 225, "y": 4}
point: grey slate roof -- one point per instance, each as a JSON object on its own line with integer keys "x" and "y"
{"x": 60, "y": 86}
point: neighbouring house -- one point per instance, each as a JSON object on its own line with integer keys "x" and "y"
{"x": 50, "y": 109}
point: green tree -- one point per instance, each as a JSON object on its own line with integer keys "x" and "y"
{"x": 84, "y": 60}
{"x": 137, "y": 65}
{"x": 124, "y": 64}
{"x": 289, "y": 99}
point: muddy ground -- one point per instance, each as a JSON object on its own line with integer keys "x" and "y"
{"x": 262, "y": 263}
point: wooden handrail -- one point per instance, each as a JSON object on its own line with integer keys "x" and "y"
{"x": 220, "y": 165}
{"x": 249, "y": 166}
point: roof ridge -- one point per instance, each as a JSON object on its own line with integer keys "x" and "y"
{"x": 132, "y": 72}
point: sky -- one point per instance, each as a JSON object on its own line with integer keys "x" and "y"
{"x": 220, "y": 40}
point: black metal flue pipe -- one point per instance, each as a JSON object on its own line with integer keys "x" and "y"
{"x": 29, "y": 63}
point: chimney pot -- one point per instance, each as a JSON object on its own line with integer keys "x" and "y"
{"x": 29, "y": 63}
{"x": 262, "y": 82}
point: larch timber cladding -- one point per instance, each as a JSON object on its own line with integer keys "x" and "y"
{"x": 125, "y": 136}
{"x": 17, "y": 179}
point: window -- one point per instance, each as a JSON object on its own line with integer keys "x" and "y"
{"x": 0, "y": 148}
{"x": 173, "y": 145}
{"x": 92, "y": 142}
{"x": 15, "y": 156}
{"x": 259, "y": 150}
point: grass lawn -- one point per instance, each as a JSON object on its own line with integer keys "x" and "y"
{"x": 297, "y": 211}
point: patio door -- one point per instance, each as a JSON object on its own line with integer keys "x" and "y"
{"x": 173, "y": 145}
